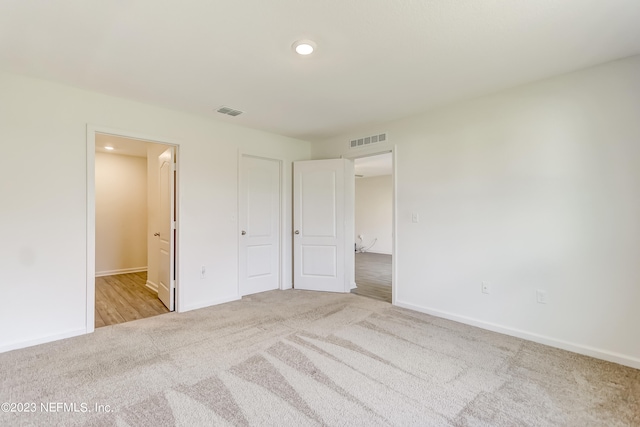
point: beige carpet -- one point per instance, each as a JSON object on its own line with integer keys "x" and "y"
{"x": 296, "y": 358}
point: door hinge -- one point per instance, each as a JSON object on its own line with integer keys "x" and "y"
{"x": 173, "y": 225}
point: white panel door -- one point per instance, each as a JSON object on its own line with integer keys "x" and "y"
{"x": 323, "y": 225}
{"x": 166, "y": 235}
{"x": 259, "y": 221}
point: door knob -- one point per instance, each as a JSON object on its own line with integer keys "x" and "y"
{"x": 297, "y": 231}
{"x": 156, "y": 234}
{"x": 244, "y": 232}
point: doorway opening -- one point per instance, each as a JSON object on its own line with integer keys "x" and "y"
{"x": 374, "y": 226}
{"x": 131, "y": 227}
{"x": 324, "y": 235}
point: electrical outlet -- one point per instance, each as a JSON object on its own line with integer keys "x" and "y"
{"x": 415, "y": 217}
{"x": 541, "y": 296}
{"x": 486, "y": 288}
{"x": 203, "y": 272}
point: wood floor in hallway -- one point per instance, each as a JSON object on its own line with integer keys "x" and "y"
{"x": 373, "y": 276}
{"x": 125, "y": 297}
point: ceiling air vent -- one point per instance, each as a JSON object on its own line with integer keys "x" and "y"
{"x": 229, "y": 111}
{"x": 367, "y": 140}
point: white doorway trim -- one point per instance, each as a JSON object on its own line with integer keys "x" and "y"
{"x": 374, "y": 151}
{"x": 91, "y": 212}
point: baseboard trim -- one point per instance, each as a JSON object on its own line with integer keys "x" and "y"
{"x": 42, "y": 340}
{"x": 529, "y": 336}
{"x": 152, "y": 286}
{"x": 209, "y": 303}
{"x": 375, "y": 253}
{"x": 121, "y": 271}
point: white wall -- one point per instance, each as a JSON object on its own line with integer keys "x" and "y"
{"x": 121, "y": 213}
{"x": 43, "y": 192}
{"x": 374, "y": 212}
{"x": 533, "y": 188}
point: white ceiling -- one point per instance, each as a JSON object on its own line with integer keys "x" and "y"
{"x": 376, "y": 60}
{"x": 380, "y": 164}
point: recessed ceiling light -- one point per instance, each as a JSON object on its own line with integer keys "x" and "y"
{"x": 304, "y": 47}
{"x": 108, "y": 148}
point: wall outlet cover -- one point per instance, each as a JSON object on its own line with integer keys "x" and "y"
{"x": 541, "y": 296}
{"x": 486, "y": 288}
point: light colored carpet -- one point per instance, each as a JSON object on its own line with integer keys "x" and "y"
{"x": 296, "y": 358}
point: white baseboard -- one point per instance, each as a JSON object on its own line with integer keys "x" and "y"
{"x": 152, "y": 286}
{"x": 121, "y": 271}
{"x": 529, "y": 336}
{"x": 42, "y": 340}
{"x": 377, "y": 253}
{"x": 209, "y": 303}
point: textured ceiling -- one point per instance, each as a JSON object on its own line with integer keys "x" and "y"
{"x": 376, "y": 59}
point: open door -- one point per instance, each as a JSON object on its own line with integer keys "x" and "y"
{"x": 323, "y": 218}
{"x": 166, "y": 234}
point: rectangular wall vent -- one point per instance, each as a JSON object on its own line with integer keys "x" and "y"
{"x": 367, "y": 140}
{"x": 229, "y": 111}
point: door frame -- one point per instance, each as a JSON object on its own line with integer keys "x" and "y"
{"x": 373, "y": 151}
{"x": 281, "y": 218}
{"x": 91, "y": 212}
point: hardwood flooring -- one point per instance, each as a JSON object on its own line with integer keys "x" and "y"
{"x": 125, "y": 297}
{"x": 373, "y": 276}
